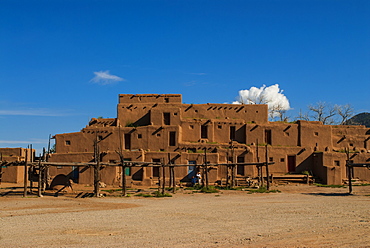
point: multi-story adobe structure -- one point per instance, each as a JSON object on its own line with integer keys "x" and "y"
{"x": 14, "y": 174}
{"x": 151, "y": 128}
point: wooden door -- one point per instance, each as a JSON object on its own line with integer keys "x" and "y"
{"x": 291, "y": 163}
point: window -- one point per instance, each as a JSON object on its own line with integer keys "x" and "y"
{"x": 316, "y": 133}
{"x": 204, "y": 132}
{"x": 219, "y": 127}
{"x": 282, "y": 160}
{"x": 128, "y": 171}
{"x": 166, "y": 100}
{"x": 337, "y": 163}
{"x": 192, "y": 168}
{"x": 240, "y": 168}
{"x": 127, "y": 141}
{"x": 166, "y": 119}
{"x": 172, "y": 141}
{"x": 100, "y": 137}
{"x": 268, "y": 139}
{"x": 139, "y": 136}
{"x": 155, "y": 170}
{"x": 68, "y": 142}
{"x": 191, "y": 126}
{"x": 232, "y": 132}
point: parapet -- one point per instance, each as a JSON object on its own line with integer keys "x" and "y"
{"x": 150, "y": 98}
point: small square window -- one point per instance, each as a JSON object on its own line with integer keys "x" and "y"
{"x": 219, "y": 127}
{"x": 191, "y": 127}
{"x": 271, "y": 159}
{"x": 68, "y": 142}
{"x": 139, "y": 136}
{"x": 174, "y": 113}
{"x": 282, "y": 160}
{"x": 316, "y": 133}
{"x": 158, "y": 135}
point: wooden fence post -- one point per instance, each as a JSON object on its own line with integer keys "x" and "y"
{"x": 25, "y": 175}
{"x": 267, "y": 170}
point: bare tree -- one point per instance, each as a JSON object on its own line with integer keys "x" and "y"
{"x": 278, "y": 112}
{"x": 345, "y": 112}
{"x": 323, "y": 112}
{"x": 302, "y": 116}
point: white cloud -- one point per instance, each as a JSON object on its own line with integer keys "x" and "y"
{"x": 14, "y": 142}
{"x": 271, "y": 95}
{"x": 31, "y": 112}
{"x": 104, "y": 78}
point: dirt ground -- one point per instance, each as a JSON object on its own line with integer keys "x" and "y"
{"x": 298, "y": 216}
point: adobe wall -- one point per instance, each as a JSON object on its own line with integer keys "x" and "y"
{"x": 248, "y": 113}
{"x": 149, "y": 126}
{"x": 315, "y": 134}
{"x": 150, "y": 98}
{"x": 13, "y": 174}
{"x": 17, "y": 154}
{"x": 282, "y": 134}
{"x": 354, "y": 137}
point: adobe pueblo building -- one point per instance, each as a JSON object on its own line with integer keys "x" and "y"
{"x": 160, "y": 128}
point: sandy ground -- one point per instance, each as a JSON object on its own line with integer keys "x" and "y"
{"x": 299, "y": 216}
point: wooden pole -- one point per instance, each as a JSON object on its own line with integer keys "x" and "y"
{"x": 164, "y": 177}
{"x": 233, "y": 165}
{"x": 349, "y": 179}
{"x": 123, "y": 164}
{"x": 25, "y": 175}
{"x": 46, "y": 172}
{"x": 227, "y": 176}
{"x": 159, "y": 178}
{"x": 30, "y": 170}
{"x": 1, "y": 167}
{"x": 170, "y": 170}
{"x": 267, "y": 169}
{"x": 206, "y": 168}
{"x": 349, "y": 171}
{"x": 174, "y": 180}
{"x": 97, "y": 170}
{"x": 259, "y": 167}
{"x": 39, "y": 186}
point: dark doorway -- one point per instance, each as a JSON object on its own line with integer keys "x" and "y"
{"x": 268, "y": 139}
{"x": 75, "y": 174}
{"x": 166, "y": 118}
{"x": 291, "y": 163}
{"x": 232, "y": 132}
{"x": 204, "y": 132}
{"x": 172, "y": 140}
{"x": 155, "y": 170}
{"x": 240, "y": 168}
{"x": 127, "y": 141}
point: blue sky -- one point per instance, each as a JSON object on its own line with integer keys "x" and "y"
{"x": 316, "y": 50}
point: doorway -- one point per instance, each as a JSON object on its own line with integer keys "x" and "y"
{"x": 291, "y": 163}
